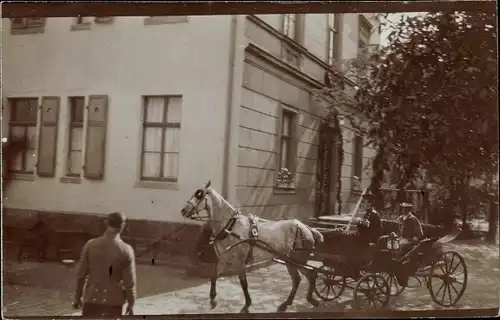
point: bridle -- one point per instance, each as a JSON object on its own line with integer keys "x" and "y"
{"x": 196, "y": 215}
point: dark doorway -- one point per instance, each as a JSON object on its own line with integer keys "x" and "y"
{"x": 327, "y": 171}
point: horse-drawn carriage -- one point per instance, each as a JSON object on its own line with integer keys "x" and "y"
{"x": 383, "y": 273}
{"x": 374, "y": 271}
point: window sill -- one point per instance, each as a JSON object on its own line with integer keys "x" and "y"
{"x": 28, "y": 30}
{"x": 152, "y": 21}
{"x": 81, "y": 26}
{"x": 157, "y": 185}
{"x": 23, "y": 176}
{"x": 356, "y": 191}
{"x": 75, "y": 180}
{"x": 282, "y": 188}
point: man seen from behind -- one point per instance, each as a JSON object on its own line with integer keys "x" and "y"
{"x": 108, "y": 265}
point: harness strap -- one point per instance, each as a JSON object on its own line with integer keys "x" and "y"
{"x": 254, "y": 231}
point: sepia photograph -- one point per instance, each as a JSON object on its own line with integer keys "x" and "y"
{"x": 244, "y": 159}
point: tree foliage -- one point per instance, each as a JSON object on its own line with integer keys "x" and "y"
{"x": 427, "y": 100}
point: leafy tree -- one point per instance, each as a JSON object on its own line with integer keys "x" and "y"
{"x": 427, "y": 101}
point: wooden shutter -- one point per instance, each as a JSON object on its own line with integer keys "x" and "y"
{"x": 47, "y": 143}
{"x": 95, "y": 147}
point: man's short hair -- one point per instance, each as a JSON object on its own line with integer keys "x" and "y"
{"x": 116, "y": 219}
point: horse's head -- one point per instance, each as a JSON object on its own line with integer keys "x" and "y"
{"x": 197, "y": 203}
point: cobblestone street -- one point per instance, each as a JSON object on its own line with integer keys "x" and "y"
{"x": 164, "y": 290}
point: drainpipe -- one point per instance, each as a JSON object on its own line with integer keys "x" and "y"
{"x": 229, "y": 134}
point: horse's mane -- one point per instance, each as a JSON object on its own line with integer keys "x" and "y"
{"x": 219, "y": 201}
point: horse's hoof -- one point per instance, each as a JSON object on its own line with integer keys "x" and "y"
{"x": 314, "y": 302}
{"x": 213, "y": 304}
{"x": 244, "y": 309}
{"x": 282, "y": 307}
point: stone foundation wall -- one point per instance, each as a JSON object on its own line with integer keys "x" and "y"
{"x": 71, "y": 230}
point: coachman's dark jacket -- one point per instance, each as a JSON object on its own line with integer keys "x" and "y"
{"x": 410, "y": 227}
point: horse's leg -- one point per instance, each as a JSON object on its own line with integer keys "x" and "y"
{"x": 213, "y": 283}
{"x": 311, "y": 277}
{"x": 294, "y": 274}
{"x": 242, "y": 275}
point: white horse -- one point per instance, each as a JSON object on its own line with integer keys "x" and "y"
{"x": 290, "y": 240}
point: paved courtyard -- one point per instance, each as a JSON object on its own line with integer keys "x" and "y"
{"x": 164, "y": 290}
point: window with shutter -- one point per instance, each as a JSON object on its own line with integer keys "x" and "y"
{"x": 47, "y": 143}
{"x": 95, "y": 146}
{"x": 161, "y": 138}
{"x": 27, "y": 25}
{"x": 75, "y": 137}
{"x": 22, "y": 124}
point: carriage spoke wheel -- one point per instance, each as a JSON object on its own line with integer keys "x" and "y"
{"x": 371, "y": 292}
{"x": 392, "y": 281}
{"x": 448, "y": 279}
{"x": 327, "y": 285}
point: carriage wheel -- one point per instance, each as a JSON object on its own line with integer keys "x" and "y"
{"x": 327, "y": 285}
{"x": 448, "y": 279}
{"x": 371, "y": 291}
{"x": 392, "y": 281}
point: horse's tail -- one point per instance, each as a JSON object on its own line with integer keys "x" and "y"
{"x": 318, "y": 236}
{"x": 315, "y": 237}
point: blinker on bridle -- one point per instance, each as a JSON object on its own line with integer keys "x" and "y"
{"x": 200, "y": 195}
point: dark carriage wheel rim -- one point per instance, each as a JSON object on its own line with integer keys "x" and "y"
{"x": 325, "y": 289}
{"x": 448, "y": 279}
{"x": 375, "y": 289}
{"x": 395, "y": 288}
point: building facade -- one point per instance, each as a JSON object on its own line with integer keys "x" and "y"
{"x": 134, "y": 114}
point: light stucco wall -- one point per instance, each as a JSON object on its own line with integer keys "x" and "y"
{"x": 125, "y": 60}
{"x": 260, "y": 111}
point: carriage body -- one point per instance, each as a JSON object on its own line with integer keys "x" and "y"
{"x": 364, "y": 264}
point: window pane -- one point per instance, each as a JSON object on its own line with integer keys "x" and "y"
{"x": 284, "y": 153}
{"x": 151, "y": 165}
{"x": 154, "y": 109}
{"x": 174, "y": 111}
{"x": 152, "y": 141}
{"x": 172, "y": 140}
{"x": 17, "y": 164}
{"x": 171, "y": 165}
{"x": 32, "y": 137}
{"x": 287, "y": 121}
{"x": 77, "y": 107}
{"x": 18, "y": 132}
{"x": 76, "y": 138}
{"x": 30, "y": 160}
{"x": 24, "y": 109}
{"x": 75, "y": 162}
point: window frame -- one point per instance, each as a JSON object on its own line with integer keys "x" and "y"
{"x": 333, "y": 31}
{"x": 291, "y": 138}
{"x": 357, "y": 164}
{"x": 73, "y": 125}
{"x": 27, "y": 25}
{"x": 365, "y": 29}
{"x": 164, "y": 125}
{"x": 25, "y": 124}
